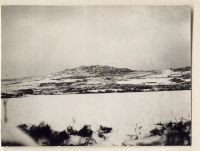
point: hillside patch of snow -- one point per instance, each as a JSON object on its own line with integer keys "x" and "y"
{"x": 149, "y": 81}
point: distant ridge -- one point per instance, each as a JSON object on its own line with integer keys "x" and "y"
{"x": 99, "y": 70}
{"x": 102, "y": 70}
{"x": 99, "y": 79}
{"x": 187, "y": 68}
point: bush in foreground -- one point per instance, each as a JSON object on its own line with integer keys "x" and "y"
{"x": 43, "y": 134}
{"x": 165, "y": 134}
{"x": 176, "y": 133}
{"x": 170, "y": 134}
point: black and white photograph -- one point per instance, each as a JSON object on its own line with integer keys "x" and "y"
{"x": 96, "y": 75}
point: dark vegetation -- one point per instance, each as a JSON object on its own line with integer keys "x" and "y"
{"x": 176, "y": 133}
{"x": 19, "y": 93}
{"x": 177, "y": 80}
{"x": 43, "y": 134}
{"x": 11, "y": 144}
{"x": 26, "y": 91}
{"x": 103, "y": 70}
{"x": 103, "y": 131}
{"x": 68, "y": 88}
{"x": 11, "y": 95}
{"x": 181, "y": 69}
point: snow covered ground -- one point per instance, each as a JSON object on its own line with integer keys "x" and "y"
{"x": 162, "y": 78}
{"x": 95, "y": 78}
{"x": 149, "y": 81}
{"x": 121, "y": 111}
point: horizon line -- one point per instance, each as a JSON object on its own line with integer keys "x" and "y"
{"x": 91, "y": 65}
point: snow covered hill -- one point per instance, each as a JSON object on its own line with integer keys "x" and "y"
{"x": 98, "y": 79}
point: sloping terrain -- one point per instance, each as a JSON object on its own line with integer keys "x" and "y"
{"x": 98, "y": 79}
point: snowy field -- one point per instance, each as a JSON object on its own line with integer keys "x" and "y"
{"x": 121, "y": 111}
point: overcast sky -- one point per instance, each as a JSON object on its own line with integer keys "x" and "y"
{"x": 39, "y": 40}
